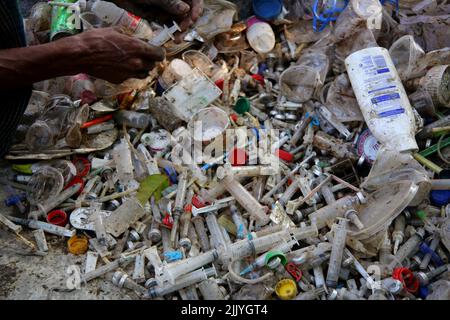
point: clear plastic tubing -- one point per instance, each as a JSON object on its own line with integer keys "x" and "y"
{"x": 337, "y": 252}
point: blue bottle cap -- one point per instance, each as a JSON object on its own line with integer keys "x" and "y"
{"x": 423, "y": 292}
{"x": 440, "y": 198}
{"x": 267, "y": 9}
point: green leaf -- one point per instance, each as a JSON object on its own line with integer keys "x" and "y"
{"x": 152, "y": 185}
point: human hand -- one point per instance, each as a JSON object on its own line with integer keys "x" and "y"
{"x": 186, "y": 12}
{"x": 108, "y": 54}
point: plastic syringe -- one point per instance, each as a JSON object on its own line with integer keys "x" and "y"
{"x": 183, "y": 282}
{"x": 239, "y": 222}
{"x": 399, "y": 229}
{"x": 408, "y": 248}
{"x": 246, "y": 200}
{"x": 43, "y": 209}
{"x": 164, "y": 35}
{"x": 329, "y": 213}
{"x": 337, "y": 252}
{"x": 154, "y": 234}
{"x": 177, "y": 269}
{"x": 185, "y": 221}
{"x": 266, "y": 197}
{"x": 199, "y": 224}
{"x": 215, "y": 230}
{"x": 433, "y": 245}
{"x": 179, "y": 205}
{"x": 47, "y": 227}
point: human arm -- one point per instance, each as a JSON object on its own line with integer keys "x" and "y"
{"x": 103, "y": 53}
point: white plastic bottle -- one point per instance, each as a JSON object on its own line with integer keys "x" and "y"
{"x": 260, "y": 35}
{"x": 382, "y": 98}
{"x": 115, "y": 16}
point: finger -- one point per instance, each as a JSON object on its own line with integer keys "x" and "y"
{"x": 186, "y": 23}
{"x": 175, "y": 7}
{"x": 179, "y": 37}
{"x": 152, "y": 53}
{"x": 197, "y": 9}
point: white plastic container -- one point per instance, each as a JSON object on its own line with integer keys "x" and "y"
{"x": 175, "y": 71}
{"x": 260, "y": 35}
{"x": 115, "y": 16}
{"x": 382, "y": 98}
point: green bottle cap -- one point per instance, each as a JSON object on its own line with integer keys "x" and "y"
{"x": 275, "y": 254}
{"x": 421, "y": 214}
{"x": 242, "y": 105}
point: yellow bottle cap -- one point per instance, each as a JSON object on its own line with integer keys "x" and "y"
{"x": 77, "y": 244}
{"x": 286, "y": 289}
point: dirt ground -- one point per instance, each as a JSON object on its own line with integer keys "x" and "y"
{"x": 27, "y": 277}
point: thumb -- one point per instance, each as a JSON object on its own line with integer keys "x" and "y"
{"x": 175, "y": 7}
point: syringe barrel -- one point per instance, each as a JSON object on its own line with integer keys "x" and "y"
{"x": 288, "y": 193}
{"x": 181, "y": 192}
{"x": 176, "y": 270}
{"x": 218, "y": 240}
{"x": 239, "y": 222}
{"x": 246, "y": 200}
{"x": 199, "y": 224}
{"x": 337, "y": 252}
{"x": 408, "y": 248}
{"x": 329, "y": 213}
{"x": 183, "y": 282}
{"x": 433, "y": 245}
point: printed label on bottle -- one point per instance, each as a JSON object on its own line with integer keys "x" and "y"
{"x": 380, "y": 86}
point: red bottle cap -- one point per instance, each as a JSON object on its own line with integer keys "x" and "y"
{"x": 58, "y": 218}
{"x": 284, "y": 155}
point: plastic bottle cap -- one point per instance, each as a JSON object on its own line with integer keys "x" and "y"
{"x": 440, "y": 198}
{"x": 286, "y": 289}
{"x": 258, "y": 78}
{"x": 198, "y": 202}
{"x": 242, "y": 105}
{"x": 78, "y": 244}
{"x": 284, "y": 155}
{"x": 267, "y": 9}
{"x": 76, "y": 180}
{"x": 58, "y": 218}
{"x": 275, "y": 254}
{"x": 83, "y": 166}
{"x": 238, "y": 157}
{"x": 408, "y": 279}
{"x": 421, "y": 214}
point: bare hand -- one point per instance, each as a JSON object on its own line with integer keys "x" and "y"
{"x": 113, "y": 56}
{"x": 186, "y": 12}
